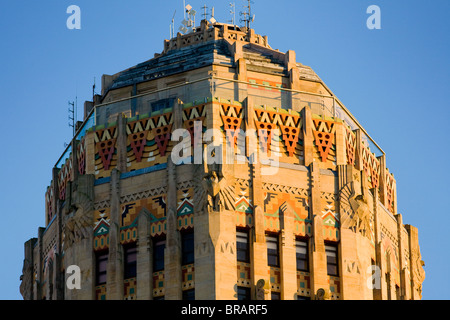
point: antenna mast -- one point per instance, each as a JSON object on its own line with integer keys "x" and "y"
{"x": 172, "y": 26}
{"x": 72, "y": 116}
{"x": 233, "y": 13}
{"x": 248, "y": 18}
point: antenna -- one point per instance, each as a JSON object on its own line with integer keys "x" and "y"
{"x": 72, "y": 112}
{"x": 248, "y": 18}
{"x": 172, "y": 26}
{"x": 205, "y": 13}
{"x": 233, "y": 13}
{"x": 189, "y": 24}
{"x": 212, "y": 20}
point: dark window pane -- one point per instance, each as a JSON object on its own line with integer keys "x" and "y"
{"x": 130, "y": 255}
{"x": 243, "y": 293}
{"x": 189, "y": 294}
{"x": 301, "y": 248}
{"x": 275, "y": 296}
{"x": 242, "y": 247}
{"x": 187, "y": 247}
{"x": 272, "y": 251}
{"x": 332, "y": 261}
{"x": 158, "y": 255}
{"x": 101, "y": 265}
{"x": 303, "y": 298}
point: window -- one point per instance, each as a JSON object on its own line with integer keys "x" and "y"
{"x": 242, "y": 246}
{"x": 189, "y": 294}
{"x": 275, "y": 296}
{"x": 158, "y": 254}
{"x": 187, "y": 247}
{"x": 162, "y": 104}
{"x": 301, "y": 253}
{"x": 101, "y": 263}
{"x": 243, "y": 293}
{"x": 299, "y": 297}
{"x": 332, "y": 260}
{"x": 273, "y": 259}
{"x": 130, "y": 258}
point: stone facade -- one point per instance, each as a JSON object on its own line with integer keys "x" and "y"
{"x": 312, "y": 176}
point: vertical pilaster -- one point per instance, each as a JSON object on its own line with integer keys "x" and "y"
{"x": 401, "y": 256}
{"x": 259, "y": 267}
{"x": 319, "y": 259}
{"x": 308, "y": 139}
{"x": 121, "y": 143}
{"x": 288, "y": 255}
{"x": 114, "y": 282}
{"x": 172, "y": 253}
{"x": 341, "y": 147}
{"x": 144, "y": 274}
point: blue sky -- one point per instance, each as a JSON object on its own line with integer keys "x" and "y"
{"x": 395, "y": 81}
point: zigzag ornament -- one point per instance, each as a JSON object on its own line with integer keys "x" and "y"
{"x": 324, "y": 137}
{"x": 106, "y": 145}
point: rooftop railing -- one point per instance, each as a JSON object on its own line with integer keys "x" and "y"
{"x": 197, "y": 91}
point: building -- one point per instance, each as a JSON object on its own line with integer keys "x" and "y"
{"x": 221, "y": 169}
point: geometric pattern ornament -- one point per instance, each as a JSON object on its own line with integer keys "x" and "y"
{"x": 265, "y": 135}
{"x": 350, "y": 140}
{"x": 390, "y": 190}
{"x": 81, "y": 156}
{"x": 232, "y": 118}
{"x": 191, "y": 115}
{"x": 162, "y": 138}
{"x": 290, "y": 138}
{"x": 289, "y": 124}
{"x": 138, "y": 141}
{"x": 371, "y": 166}
{"x": 232, "y": 128}
{"x": 324, "y": 137}
{"x": 106, "y": 145}
{"x": 106, "y": 152}
{"x": 64, "y": 175}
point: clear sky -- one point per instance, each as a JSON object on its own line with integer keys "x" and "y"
{"x": 394, "y": 80}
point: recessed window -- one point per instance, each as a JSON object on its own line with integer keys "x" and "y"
{"x": 332, "y": 260}
{"x": 158, "y": 254}
{"x": 275, "y": 295}
{"x": 243, "y": 293}
{"x": 189, "y": 294}
{"x": 242, "y": 246}
{"x": 101, "y": 264}
{"x": 301, "y": 253}
{"x": 130, "y": 260}
{"x": 273, "y": 257}
{"x": 187, "y": 247}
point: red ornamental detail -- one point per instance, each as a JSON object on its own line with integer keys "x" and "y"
{"x": 324, "y": 142}
{"x": 290, "y": 138}
{"x": 374, "y": 177}
{"x": 265, "y": 135}
{"x": 350, "y": 148}
{"x": 190, "y": 125}
{"x": 106, "y": 151}
{"x": 232, "y": 128}
{"x": 81, "y": 153}
{"x": 138, "y": 142}
{"x": 162, "y": 137}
